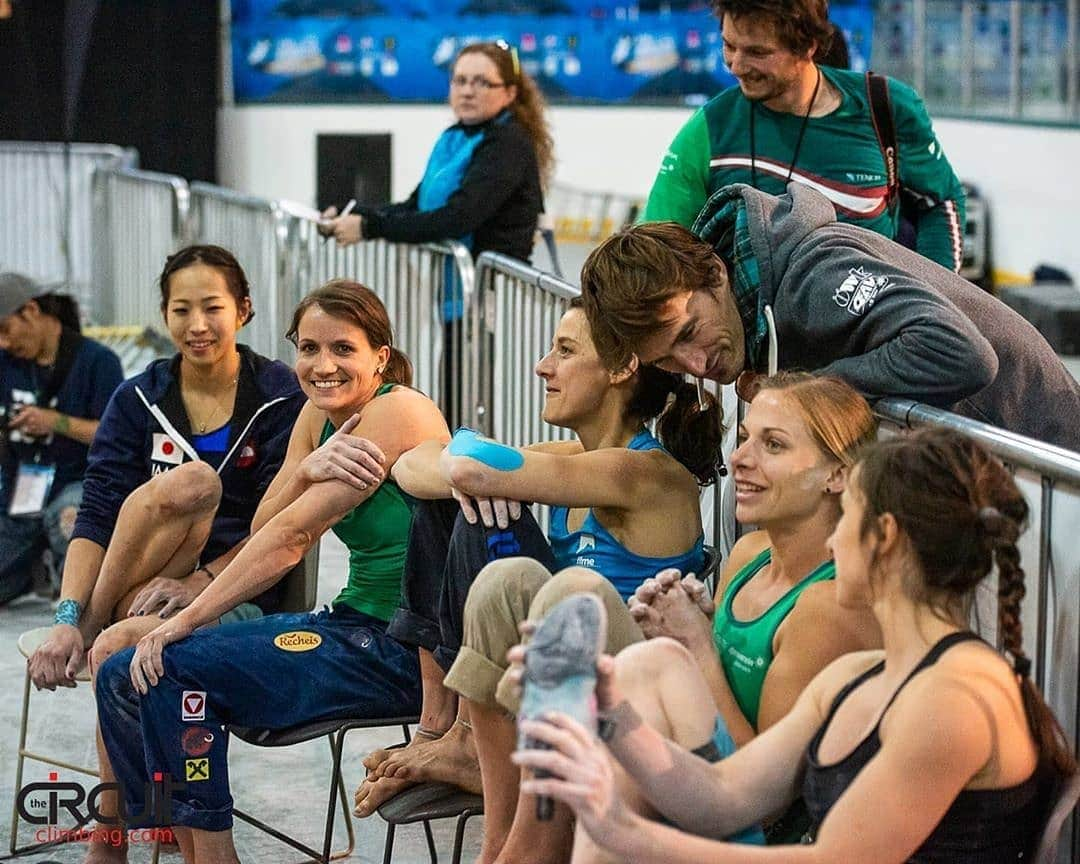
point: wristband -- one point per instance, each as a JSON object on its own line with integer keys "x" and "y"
{"x": 467, "y": 442}
{"x": 68, "y": 612}
{"x": 62, "y": 424}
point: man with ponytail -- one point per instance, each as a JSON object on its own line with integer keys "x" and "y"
{"x": 936, "y": 750}
{"x": 54, "y": 386}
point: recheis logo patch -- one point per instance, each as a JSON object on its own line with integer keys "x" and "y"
{"x": 196, "y": 770}
{"x": 193, "y": 705}
{"x": 298, "y": 640}
{"x": 196, "y": 741}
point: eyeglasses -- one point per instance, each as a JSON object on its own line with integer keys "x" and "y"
{"x": 477, "y": 83}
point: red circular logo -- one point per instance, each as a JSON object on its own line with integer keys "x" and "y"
{"x": 167, "y": 448}
{"x": 197, "y": 741}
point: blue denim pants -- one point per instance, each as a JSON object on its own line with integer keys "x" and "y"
{"x": 273, "y": 672}
{"x": 26, "y": 536}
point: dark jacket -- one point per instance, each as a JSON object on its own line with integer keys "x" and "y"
{"x": 850, "y": 303}
{"x": 94, "y": 374}
{"x": 145, "y": 431}
{"x": 498, "y": 202}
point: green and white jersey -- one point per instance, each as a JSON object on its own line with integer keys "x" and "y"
{"x": 839, "y": 157}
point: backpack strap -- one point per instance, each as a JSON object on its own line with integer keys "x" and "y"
{"x": 877, "y": 92}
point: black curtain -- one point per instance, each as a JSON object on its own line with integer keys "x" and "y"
{"x": 149, "y": 79}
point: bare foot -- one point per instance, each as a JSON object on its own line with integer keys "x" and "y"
{"x": 449, "y": 759}
{"x": 421, "y": 736}
{"x": 374, "y": 792}
{"x": 100, "y": 851}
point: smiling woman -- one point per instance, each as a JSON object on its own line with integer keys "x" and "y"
{"x": 360, "y": 415}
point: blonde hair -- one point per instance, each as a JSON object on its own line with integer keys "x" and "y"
{"x": 839, "y": 419}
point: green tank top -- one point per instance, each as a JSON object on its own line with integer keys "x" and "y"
{"x": 376, "y": 533}
{"x": 746, "y": 647}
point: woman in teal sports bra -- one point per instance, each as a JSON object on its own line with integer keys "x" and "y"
{"x": 776, "y": 622}
{"x": 936, "y": 750}
{"x": 284, "y": 670}
{"x": 623, "y": 504}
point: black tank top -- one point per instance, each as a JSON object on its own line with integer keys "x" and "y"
{"x": 983, "y": 826}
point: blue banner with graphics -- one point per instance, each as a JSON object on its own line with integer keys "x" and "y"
{"x": 579, "y": 51}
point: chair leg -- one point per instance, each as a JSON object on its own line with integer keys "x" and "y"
{"x": 388, "y": 846}
{"x": 336, "y": 743}
{"x": 346, "y": 813}
{"x": 459, "y": 836}
{"x": 19, "y": 763}
{"x": 430, "y": 842}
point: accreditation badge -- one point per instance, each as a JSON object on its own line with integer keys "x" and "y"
{"x": 33, "y": 482}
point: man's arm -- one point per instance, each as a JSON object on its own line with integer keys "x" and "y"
{"x": 681, "y": 187}
{"x": 925, "y": 172}
{"x": 887, "y": 332}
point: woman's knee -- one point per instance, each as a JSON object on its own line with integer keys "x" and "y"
{"x": 651, "y": 661}
{"x": 112, "y": 641}
{"x": 189, "y": 490}
{"x": 622, "y": 630}
{"x": 507, "y": 586}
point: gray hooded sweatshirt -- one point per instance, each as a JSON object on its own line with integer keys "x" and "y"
{"x": 848, "y": 302}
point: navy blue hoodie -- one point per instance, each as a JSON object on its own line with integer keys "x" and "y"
{"x": 145, "y": 431}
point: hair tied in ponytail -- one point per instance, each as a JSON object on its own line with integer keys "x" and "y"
{"x": 996, "y": 526}
{"x": 1022, "y": 665}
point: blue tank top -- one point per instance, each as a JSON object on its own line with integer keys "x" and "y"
{"x": 594, "y": 547}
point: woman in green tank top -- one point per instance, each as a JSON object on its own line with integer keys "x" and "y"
{"x": 775, "y": 623}
{"x": 360, "y": 416}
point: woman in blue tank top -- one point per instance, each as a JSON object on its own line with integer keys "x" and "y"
{"x": 937, "y": 749}
{"x": 621, "y": 504}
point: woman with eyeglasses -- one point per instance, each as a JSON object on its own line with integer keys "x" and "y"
{"x": 484, "y": 179}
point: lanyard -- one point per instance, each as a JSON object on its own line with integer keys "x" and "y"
{"x": 798, "y": 141}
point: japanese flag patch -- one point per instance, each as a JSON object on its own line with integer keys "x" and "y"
{"x": 166, "y": 450}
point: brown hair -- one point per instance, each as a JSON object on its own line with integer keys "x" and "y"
{"x": 799, "y": 24}
{"x": 962, "y": 512}
{"x": 353, "y": 302}
{"x": 689, "y": 433}
{"x": 221, "y": 260}
{"x": 528, "y": 107}
{"x": 629, "y": 278}
{"x": 839, "y": 419}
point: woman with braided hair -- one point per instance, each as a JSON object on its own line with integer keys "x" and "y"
{"x": 937, "y": 749}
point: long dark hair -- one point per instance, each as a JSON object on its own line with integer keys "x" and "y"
{"x": 962, "y": 513}
{"x": 689, "y": 433}
{"x": 221, "y": 260}
{"x": 353, "y": 302}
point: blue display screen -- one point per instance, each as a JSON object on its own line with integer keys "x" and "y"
{"x": 579, "y": 51}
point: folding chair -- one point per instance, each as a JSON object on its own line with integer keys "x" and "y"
{"x": 425, "y": 803}
{"x": 1068, "y": 796}
{"x": 335, "y": 731}
{"x": 710, "y": 569}
{"x": 28, "y": 644}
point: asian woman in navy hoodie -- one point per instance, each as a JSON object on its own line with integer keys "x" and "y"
{"x": 181, "y": 459}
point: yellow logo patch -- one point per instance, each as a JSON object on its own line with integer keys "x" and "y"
{"x": 298, "y": 640}
{"x": 196, "y": 769}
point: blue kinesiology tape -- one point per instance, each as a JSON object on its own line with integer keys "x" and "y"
{"x": 467, "y": 442}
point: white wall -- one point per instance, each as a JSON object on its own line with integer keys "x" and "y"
{"x": 1028, "y": 173}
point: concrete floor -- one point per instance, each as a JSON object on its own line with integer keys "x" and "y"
{"x": 285, "y": 787}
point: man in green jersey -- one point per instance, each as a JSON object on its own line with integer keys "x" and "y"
{"x": 791, "y": 119}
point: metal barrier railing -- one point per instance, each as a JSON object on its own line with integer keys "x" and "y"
{"x": 520, "y": 308}
{"x": 141, "y": 217}
{"x": 419, "y": 284}
{"x": 46, "y": 209}
{"x": 252, "y": 229}
{"x": 1049, "y": 477}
